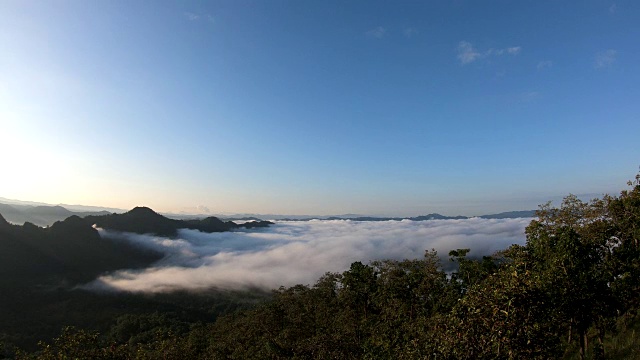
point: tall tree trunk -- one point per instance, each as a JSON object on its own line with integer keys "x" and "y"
{"x": 583, "y": 343}
{"x": 586, "y": 340}
{"x": 570, "y": 333}
{"x": 601, "y": 334}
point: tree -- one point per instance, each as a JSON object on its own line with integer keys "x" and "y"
{"x": 408, "y": 294}
{"x": 470, "y": 271}
{"x": 624, "y": 215}
{"x": 80, "y": 344}
{"x": 504, "y": 316}
{"x": 570, "y": 253}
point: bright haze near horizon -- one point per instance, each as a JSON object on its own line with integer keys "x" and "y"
{"x": 318, "y": 107}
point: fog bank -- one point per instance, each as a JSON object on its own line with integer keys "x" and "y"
{"x": 290, "y": 253}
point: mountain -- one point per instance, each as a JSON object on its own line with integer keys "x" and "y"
{"x": 255, "y": 224}
{"x": 3, "y": 223}
{"x": 143, "y": 220}
{"x": 41, "y": 215}
{"x": 70, "y": 251}
{"x": 50, "y": 211}
{"x": 210, "y": 224}
{"x": 74, "y": 208}
{"x": 436, "y": 216}
{"x": 40, "y": 269}
{"x": 433, "y": 216}
{"x": 511, "y": 215}
{"x": 13, "y": 214}
{"x": 6, "y": 208}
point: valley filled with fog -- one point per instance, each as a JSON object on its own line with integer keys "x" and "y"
{"x": 299, "y": 252}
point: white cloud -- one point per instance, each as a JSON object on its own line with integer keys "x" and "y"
{"x": 191, "y": 16}
{"x": 468, "y": 54}
{"x": 544, "y": 64}
{"x": 613, "y": 8}
{"x": 377, "y": 33}
{"x": 290, "y": 253}
{"x": 196, "y": 17}
{"x": 514, "y": 50}
{"x": 605, "y": 59}
{"x": 409, "y": 32}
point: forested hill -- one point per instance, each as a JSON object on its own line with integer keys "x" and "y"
{"x": 72, "y": 251}
{"x": 143, "y": 220}
{"x": 41, "y": 267}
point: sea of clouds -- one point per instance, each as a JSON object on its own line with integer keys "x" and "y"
{"x": 299, "y": 252}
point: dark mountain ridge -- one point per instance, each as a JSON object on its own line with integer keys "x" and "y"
{"x": 72, "y": 250}
{"x": 3, "y": 223}
{"x": 140, "y": 220}
{"x": 143, "y": 220}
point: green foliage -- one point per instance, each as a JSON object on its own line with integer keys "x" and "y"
{"x": 504, "y": 316}
{"x": 583, "y": 255}
{"x": 139, "y": 329}
{"x": 408, "y": 293}
{"x": 78, "y": 344}
{"x": 470, "y": 271}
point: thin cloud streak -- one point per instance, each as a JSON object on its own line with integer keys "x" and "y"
{"x": 468, "y": 54}
{"x": 290, "y": 253}
{"x": 409, "y": 32}
{"x": 191, "y": 16}
{"x": 544, "y": 64}
{"x": 605, "y": 59}
{"x": 196, "y": 17}
{"x": 377, "y": 33}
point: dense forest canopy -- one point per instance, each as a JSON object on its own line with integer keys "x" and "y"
{"x": 572, "y": 291}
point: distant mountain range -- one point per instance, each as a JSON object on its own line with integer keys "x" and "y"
{"x": 17, "y": 212}
{"x": 41, "y": 215}
{"x": 78, "y": 208}
{"x": 434, "y": 216}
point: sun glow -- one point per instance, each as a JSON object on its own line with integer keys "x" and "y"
{"x": 30, "y": 168}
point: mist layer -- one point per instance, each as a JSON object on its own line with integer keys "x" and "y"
{"x": 290, "y": 253}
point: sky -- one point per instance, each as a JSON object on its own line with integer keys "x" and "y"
{"x": 318, "y": 107}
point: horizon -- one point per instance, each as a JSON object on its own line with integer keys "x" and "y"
{"x": 555, "y": 201}
{"x": 369, "y": 108}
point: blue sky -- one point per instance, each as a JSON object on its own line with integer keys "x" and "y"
{"x": 318, "y": 107}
